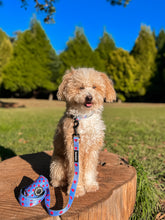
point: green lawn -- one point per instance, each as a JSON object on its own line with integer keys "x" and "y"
{"x": 138, "y": 131}
{"x": 134, "y": 131}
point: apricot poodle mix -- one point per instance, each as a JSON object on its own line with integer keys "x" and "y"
{"x": 84, "y": 91}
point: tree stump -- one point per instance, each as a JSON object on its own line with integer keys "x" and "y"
{"x": 114, "y": 200}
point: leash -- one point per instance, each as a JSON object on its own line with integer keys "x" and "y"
{"x": 39, "y": 189}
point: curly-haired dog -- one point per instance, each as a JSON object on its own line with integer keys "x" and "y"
{"x": 84, "y": 91}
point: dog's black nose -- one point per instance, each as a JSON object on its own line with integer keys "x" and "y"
{"x": 89, "y": 98}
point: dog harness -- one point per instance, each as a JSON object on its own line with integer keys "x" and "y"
{"x": 39, "y": 189}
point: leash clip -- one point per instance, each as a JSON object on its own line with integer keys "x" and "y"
{"x": 75, "y": 127}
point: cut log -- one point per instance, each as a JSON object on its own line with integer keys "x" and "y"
{"x": 114, "y": 200}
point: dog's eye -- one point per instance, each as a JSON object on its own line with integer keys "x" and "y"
{"x": 94, "y": 87}
{"x": 82, "y": 87}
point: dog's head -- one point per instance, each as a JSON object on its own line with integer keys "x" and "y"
{"x": 86, "y": 88}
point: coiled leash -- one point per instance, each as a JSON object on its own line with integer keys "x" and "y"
{"x": 39, "y": 189}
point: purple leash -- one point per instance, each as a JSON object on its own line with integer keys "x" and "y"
{"x": 39, "y": 189}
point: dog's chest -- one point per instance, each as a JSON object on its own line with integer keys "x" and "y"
{"x": 91, "y": 130}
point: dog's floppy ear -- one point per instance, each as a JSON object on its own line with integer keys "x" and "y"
{"x": 62, "y": 86}
{"x": 110, "y": 94}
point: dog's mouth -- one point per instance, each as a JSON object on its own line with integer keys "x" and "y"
{"x": 88, "y": 101}
{"x": 88, "y": 105}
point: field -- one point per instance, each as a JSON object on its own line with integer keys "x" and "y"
{"x": 134, "y": 131}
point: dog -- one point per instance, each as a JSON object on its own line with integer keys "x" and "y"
{"x": 84, "y": 90}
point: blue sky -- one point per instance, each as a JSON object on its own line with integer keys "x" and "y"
{"x": 93, "y": 15}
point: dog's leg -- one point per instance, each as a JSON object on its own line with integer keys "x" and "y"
{"x": 58, "y": 171}
{"x": 90, "y": 175}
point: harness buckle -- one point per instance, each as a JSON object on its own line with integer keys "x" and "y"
{"x": 75, "y": 127}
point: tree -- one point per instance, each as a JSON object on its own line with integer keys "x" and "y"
{"x": 119, "y": 2}
{"x": 144, "y": 52}
{"x": 79, "y": 53}
{"x": 123, "y": 70}
{"x": 160, "y": 40}
{"x": 6, "y": 50}
{"x": 157, "y": 89}
{"x": 46, "y": 6}
{"x": 55, "y": 66}
{"x": 2, "y": 36}
{"x": 29, "y": 67}
{"x": 105, "y": 47}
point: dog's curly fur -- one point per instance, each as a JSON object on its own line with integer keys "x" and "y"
{"x": 84, "y": 91}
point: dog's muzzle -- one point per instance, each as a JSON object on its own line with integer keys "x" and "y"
{"x": 88, "y": 101}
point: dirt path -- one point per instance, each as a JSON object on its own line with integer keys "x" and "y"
{"x": 18, "y": 103}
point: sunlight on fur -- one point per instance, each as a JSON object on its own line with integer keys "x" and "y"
{"x": 84, "y": 90}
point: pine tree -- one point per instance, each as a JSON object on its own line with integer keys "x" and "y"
{"x": 105, "y": 47}
{"x": 55, "y": 66}
{"x": 2, "y": 36}
{"x": 6, "y": 50}
{"x": 156, "y": 91}
{"x": 123, "y": 70}
{"x": 79, "y": 53}
{"x": 160, "y": 40}
{"x": 144, "y": 52}
{"x": 29, "y": 68}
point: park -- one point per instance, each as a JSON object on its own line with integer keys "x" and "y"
{"x": 131, "y": 168}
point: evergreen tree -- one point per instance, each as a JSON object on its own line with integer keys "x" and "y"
{"x": 144, "y": 52}
{"x": 156, "y": 91}
{"x": 79, "y": 53}
{"x": 105, "y": 47}
{"x": 29, "y": 68}
{"x": 2, "y": 36}
{"x": 159, "y": 80}
{"x": 55, "y": 66}
{"x": 123, "y": 70}
{"x": 6, "y": 49}
{"x": 160, "y": 40}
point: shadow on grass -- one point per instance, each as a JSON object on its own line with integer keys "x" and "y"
{"x": 10, "y": 105}
{"x": 6, "y": 153}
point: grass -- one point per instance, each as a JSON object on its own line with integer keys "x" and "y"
{"x": 134, "y": 131}
{"x": 138, "y": 131}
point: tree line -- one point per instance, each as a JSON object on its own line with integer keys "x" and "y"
{"x": 29, "y": 65}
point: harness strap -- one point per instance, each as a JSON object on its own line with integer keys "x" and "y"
{"x": 39, "y": 189}
{"x": 79, "y": 117}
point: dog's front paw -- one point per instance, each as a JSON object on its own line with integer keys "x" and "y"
{"x": 57, "y": 183}
{"x": 93, "y": 187}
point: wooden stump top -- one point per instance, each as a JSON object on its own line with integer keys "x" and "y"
{"x": 114, "y": 200}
